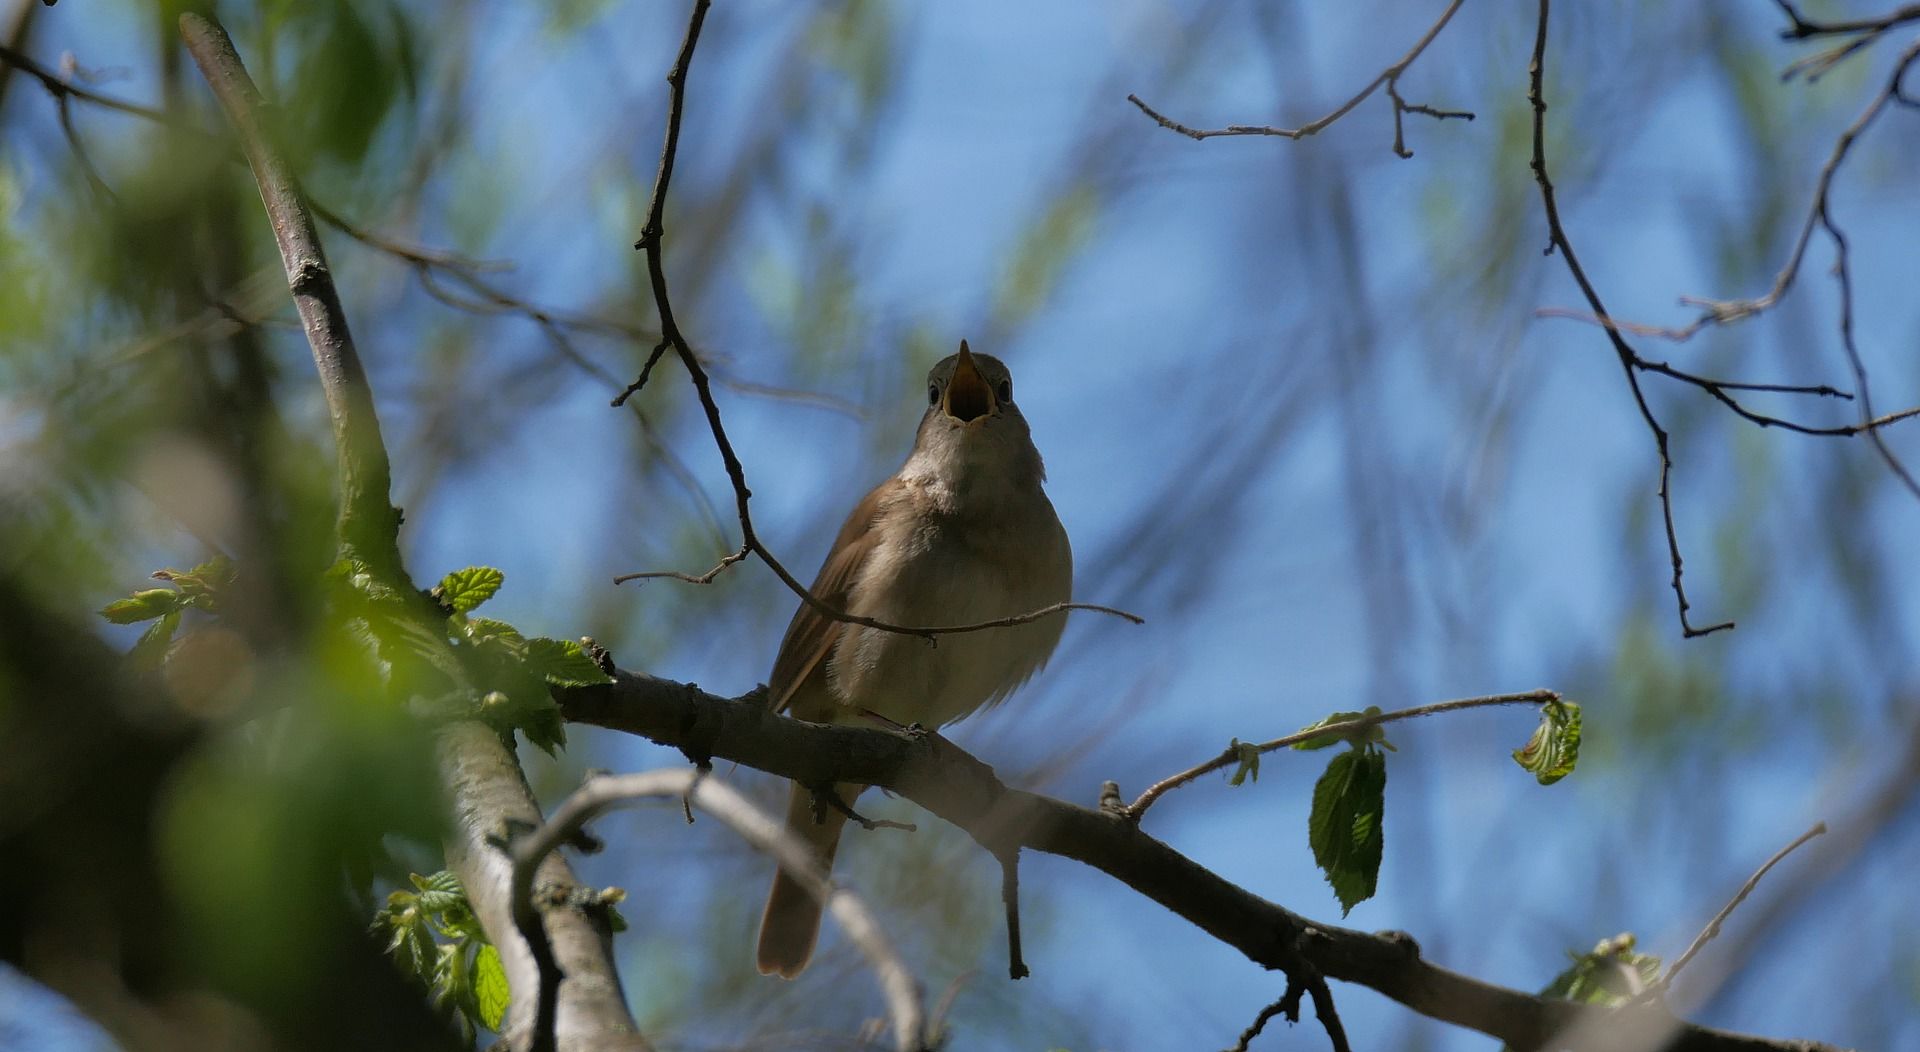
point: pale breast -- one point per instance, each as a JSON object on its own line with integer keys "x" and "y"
{"x": 944, "y": 570}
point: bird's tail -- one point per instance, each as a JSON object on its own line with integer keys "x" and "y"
{"x": 791, "y": 922}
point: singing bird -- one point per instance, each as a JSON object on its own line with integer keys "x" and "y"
{"x": 962, "y": 533}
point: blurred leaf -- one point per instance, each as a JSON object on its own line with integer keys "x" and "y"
{"x": 1345, "y": 828}
{"x": 1555, "y": 745}
{"x": 466, "y": 589}
{"x": 151, "y": 649}
{"x": 1044, "y": 252}
{"x": 490, "y": 986}
{"x": 143, "y": 605}
{"x": 1608, "y": 975}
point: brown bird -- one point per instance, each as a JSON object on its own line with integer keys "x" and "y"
{"x": 962, "y": 533}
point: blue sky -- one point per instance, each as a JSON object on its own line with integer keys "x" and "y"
{"x": 1510, "y": 480}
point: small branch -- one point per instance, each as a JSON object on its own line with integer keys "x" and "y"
{"x": 825, "y": 797}
{"x": 1630, "y": 360}
{"x": 756, "y": 827}
{"x": 1388, "y": 78}
{"x": 705, "y": 578}
{"x": 1712, "y": 930}
{"x": 1288, "y": 1005}
{"x": 1803, "y": 28}
{"x": 1230, "y": 756}
{"x": 1009, "y": 859}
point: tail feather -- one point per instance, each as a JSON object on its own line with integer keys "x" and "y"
{"x": 791, "y": 922}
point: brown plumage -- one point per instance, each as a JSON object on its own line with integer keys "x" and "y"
{"x": 963, "y": 532}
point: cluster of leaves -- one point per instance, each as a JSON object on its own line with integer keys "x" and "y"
{"x": 435, "y": 937}
{"x": 478, "y": 664}
{"x": 201, "y": 588}
{"x": 1345, "y": 828}
{"x": 1608, "y": 975}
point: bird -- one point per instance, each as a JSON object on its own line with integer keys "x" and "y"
{"x": 962, "y": 533}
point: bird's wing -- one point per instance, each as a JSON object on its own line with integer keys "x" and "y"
{"x": 811, "y": 635}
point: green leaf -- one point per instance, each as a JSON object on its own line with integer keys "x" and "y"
{"x": 143, "y": 605}
{"x": 563, "y": 663}
{"x": 150, "y": 651}
{"x": 1609, "y": 975}
{"x": 482, "y": 629}
{"x": 545, "y": 728}
{"x": 1248, "y": 755}
{"x": 1344, "y": 830}
{"x": 490, "y": 987}
{"x": 1555, "y": 745}
{"x": 465, "y": 589}
{"x": 1372, "y": 734}
{"x": 440, "y": 892}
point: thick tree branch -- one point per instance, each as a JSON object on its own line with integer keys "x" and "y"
{"x": 955, "y": 786}
{"x": 489, "y": 794}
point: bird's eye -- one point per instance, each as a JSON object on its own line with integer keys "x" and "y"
{"x": 933, "y": 394}
{"x": 1005, "y": 390}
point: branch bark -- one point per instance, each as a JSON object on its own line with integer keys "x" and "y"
{"x": 955, "y": 786}
{"x": 487, "y": 790}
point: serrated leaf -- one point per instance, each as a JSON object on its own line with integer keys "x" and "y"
{"x": 563, "y": 663}
{"x": 1373, "y": 734}
{"x": 484, "y": 629}
{"x": 1345, "y": 827}
{"x": 1554, "y": 748}
{"x": 1248, "y": 756}
{"x": 146, "y": 604}
{"x": 465, "y": 589}
{"x": 150, "y": 650}
{"x": 441, "y": 880}
{"x": 490, "y": 987}
{"x": 545, "y": 728}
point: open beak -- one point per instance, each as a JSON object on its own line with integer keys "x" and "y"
{"x": 969, "y": 396}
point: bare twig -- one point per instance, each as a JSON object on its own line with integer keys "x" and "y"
{"x": 1712, "y": 930}
{"x": 1009, "y": 859}
{"x": 1630, "y": 360}
{"x": 652, "y": 236}
{"x": 1715, "y": 312}
{"x": 756, "y": 827}
{"x": 1389, "y": 78}
{"x": 1233, "y": 754}
{"x": 1861, "y": 31}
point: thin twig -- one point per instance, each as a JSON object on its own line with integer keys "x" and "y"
{"x": 651, "y": 241}
{"x": 1009, "y": 859}
{"x": 1232, "y": 755}
{"x": 1714, "y": 312}
{"x": 1712, "y": 930}
{"x": 1389, "y": 77}
{"x": 765, "y": 833}
{"x": 1630, "y": 360}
